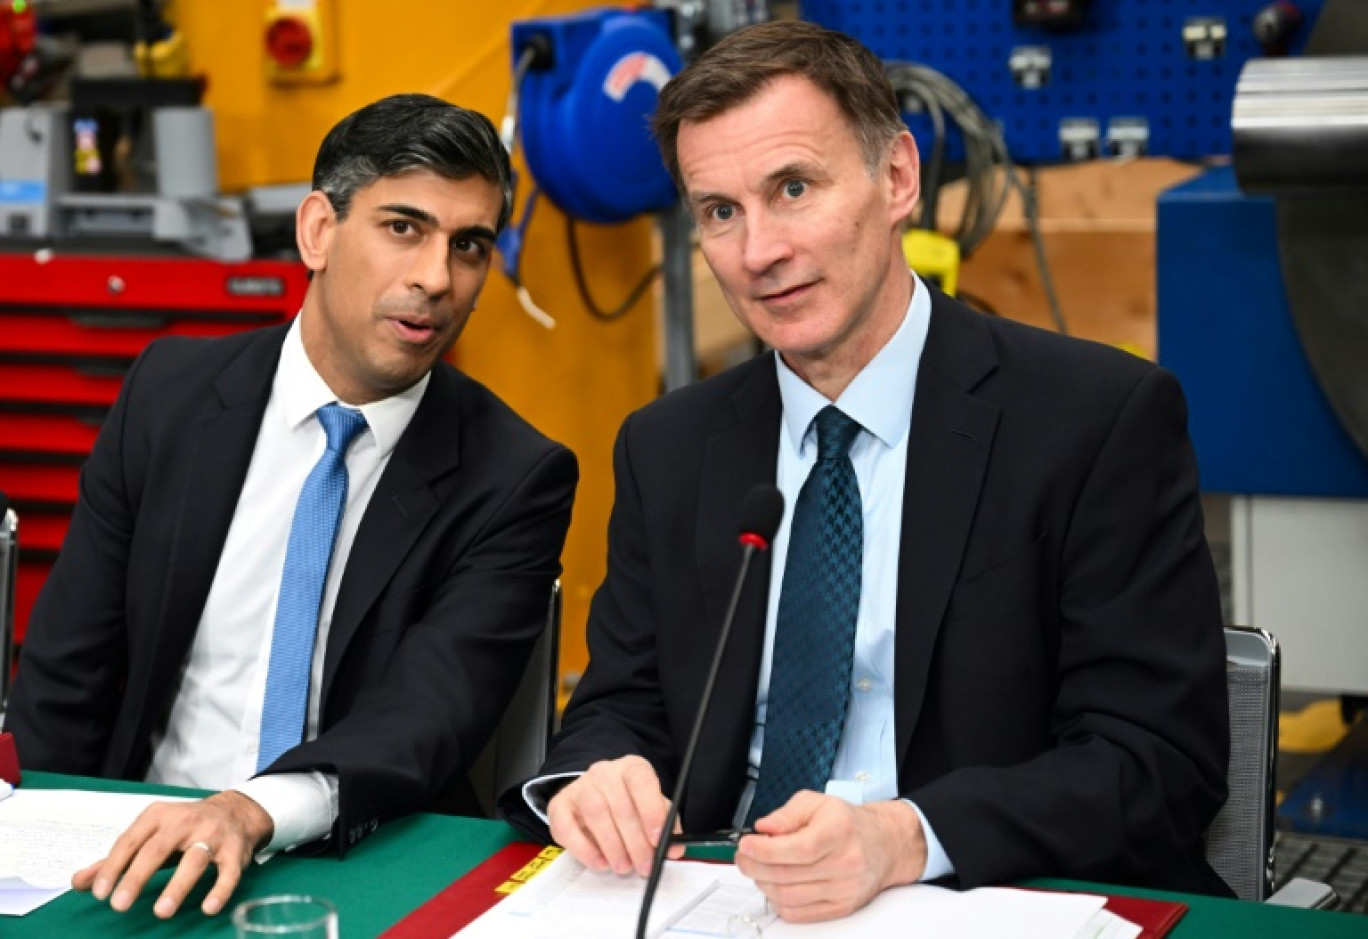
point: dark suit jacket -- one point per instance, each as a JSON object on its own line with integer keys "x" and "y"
{"x": 443, "y": 596}
{"x": 1060, "y": 704}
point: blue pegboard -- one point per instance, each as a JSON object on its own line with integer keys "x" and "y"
{"x": 1126, "y": 60}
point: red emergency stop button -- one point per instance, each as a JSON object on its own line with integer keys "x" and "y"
{"x": 289, "y": 42}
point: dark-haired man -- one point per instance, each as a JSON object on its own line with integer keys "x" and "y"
{"x": 309, "y": 562}
{"x": 990, "y": 644}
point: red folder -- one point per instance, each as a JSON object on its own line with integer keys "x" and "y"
{"x": 1154, "y": 917}
{"x": 9, "y": 760}
{"x": 461, "y": 902}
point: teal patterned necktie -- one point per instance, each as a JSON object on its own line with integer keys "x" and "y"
{"x": 312, "y": 533}
{"x": 814, "y": 639}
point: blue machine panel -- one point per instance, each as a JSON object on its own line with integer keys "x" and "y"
{"x": 1259, "y": 420}
{"x": 1127, "y": 59}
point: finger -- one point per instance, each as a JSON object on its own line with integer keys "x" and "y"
{"x": 193, "y": 863}
{"x": 108, "y": 871}
{"x": 229, "y": 875}
{"x": 605, "y": 816}
{"x": 85, "y": 877}
{"x": 149, "y": 859}
{"x": 815, "y": 912}
{"x": 792, "y": 815}
{"x": 649, "y": 809}
{"x": 792, "y": 896}
{"x": 567, "y": 832}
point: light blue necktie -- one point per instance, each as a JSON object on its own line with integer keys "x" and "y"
{"x": 814, "y": 636}
{"x": 312, "y": 533}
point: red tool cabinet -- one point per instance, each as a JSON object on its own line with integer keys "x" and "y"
{"x": 70, "y": 326}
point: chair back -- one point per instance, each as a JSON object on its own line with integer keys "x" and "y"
{"x": 9, "y": 560}
{"x": 518, "y": 747}
{"x": 1239, "y": 843}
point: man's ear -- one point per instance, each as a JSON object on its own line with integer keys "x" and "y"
{"x": 904, "y": 176}
{"x": 315, "y": 225}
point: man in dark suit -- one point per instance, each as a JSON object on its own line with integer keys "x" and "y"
{"x": 309, "y": 562}
{"x": 1028, "y": 673}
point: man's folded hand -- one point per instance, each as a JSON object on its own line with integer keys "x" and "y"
{"x": 819, "y": 857}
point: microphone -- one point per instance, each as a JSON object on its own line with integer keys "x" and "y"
{"x": 761, "y": 512}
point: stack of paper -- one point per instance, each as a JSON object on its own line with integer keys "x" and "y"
{"x": 567, "y": 901}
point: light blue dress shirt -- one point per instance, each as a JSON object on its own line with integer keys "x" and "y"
{"x": 880, "y": 399}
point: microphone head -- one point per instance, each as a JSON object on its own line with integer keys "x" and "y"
{"x": 761, "y": 512}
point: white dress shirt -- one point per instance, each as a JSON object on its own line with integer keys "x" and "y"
{"x": 880, "y": 399}
{"x": 213, "y": 733}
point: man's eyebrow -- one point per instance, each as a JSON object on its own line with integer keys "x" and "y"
{"x": 788, "y": 170}
{"x": 476, "y": 232}
{"x": 408, "y": 211}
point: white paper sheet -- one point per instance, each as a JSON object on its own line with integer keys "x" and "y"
{"x": 47, "y": 835}
{"x": 568, "y": 901}
{"x": 715, "y": 901}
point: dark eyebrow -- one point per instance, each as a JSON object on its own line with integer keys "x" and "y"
{"x": 408, "y": 211}
{"x": 476, "y": 232}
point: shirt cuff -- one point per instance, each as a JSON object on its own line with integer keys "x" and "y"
{"x": 537, "y": 793}
{"x": 937, "y": 861}
{"x": 302, "y": 806}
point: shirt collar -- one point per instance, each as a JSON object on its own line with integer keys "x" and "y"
{"x": 880, "y": 396}
{"x": 302, "y": 391}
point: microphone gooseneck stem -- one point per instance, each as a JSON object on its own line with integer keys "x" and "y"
{"x": 748, "y": 551}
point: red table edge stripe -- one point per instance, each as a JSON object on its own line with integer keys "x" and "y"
{"x": 456, "y": 906}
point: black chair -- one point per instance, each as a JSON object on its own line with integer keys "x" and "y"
{"x": 518, "y": 747}
{"x": 9, "y": 560}
{"x": 1240, "y": 842}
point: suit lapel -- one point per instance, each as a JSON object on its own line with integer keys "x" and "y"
{"x": 219, "y": 445}
{"x": 400, "y": 508}
{"x": 947, "y": 456}
{"x": 735, "y": 459}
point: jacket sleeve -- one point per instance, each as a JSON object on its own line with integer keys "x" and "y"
{"x": 617, "y": 708}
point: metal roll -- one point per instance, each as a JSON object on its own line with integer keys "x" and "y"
{"x": 1301, "y": 125}
{"x": 187, "y": 165}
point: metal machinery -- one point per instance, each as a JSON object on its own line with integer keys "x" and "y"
{"x": 1263, "y": 304}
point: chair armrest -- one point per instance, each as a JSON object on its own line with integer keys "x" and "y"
{"x": 1306, "y": 894}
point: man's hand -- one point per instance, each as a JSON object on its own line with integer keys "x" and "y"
{"x": 229, "y": 825}
{"x": 610, "y": 818}
{"x": 820, "y": 857}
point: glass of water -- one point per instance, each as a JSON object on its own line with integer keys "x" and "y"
{"x": 290, "y": 917}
